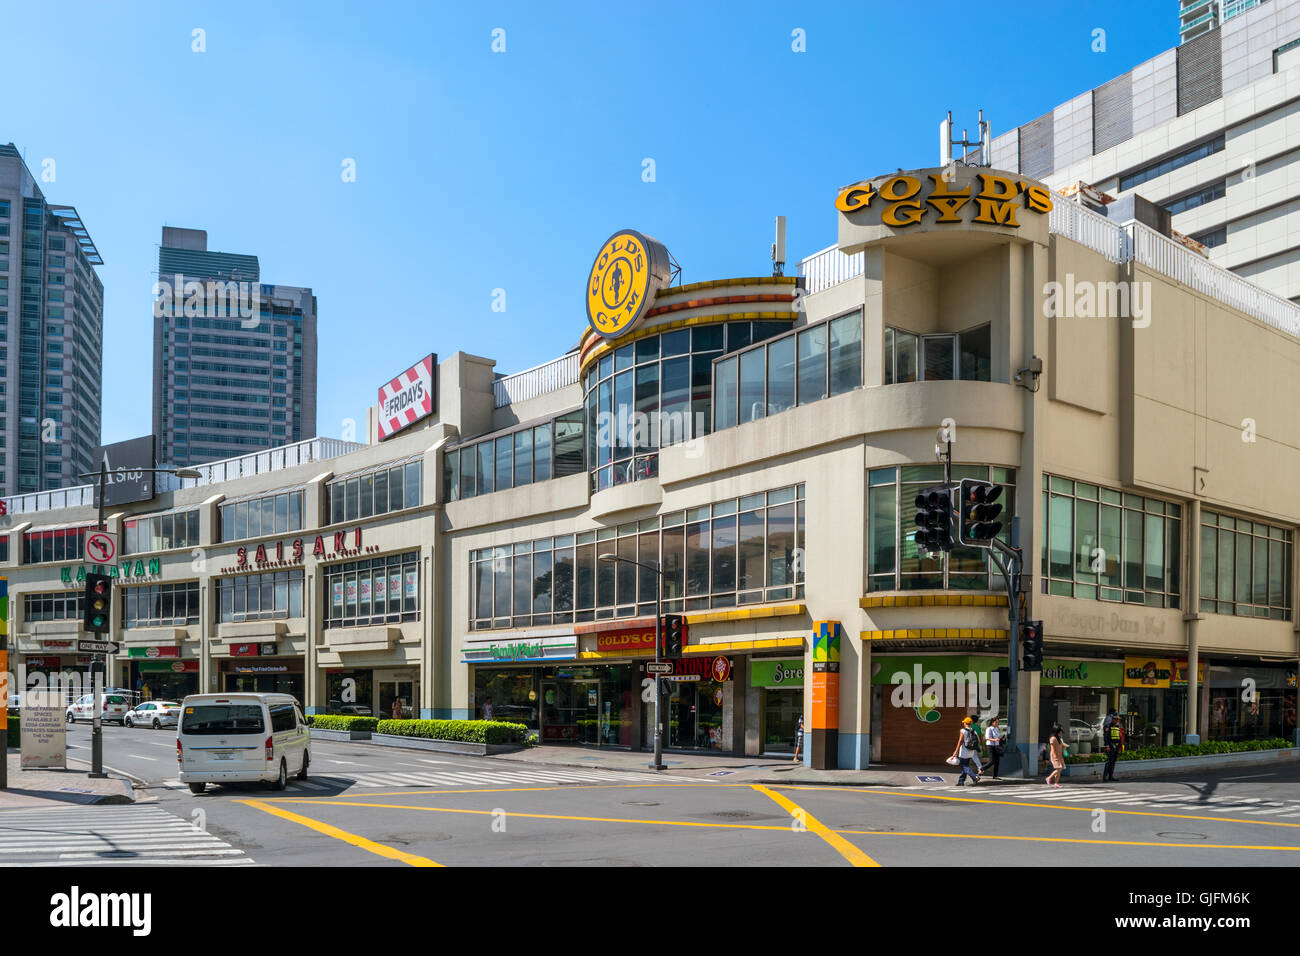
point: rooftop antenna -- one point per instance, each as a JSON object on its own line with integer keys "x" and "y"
{"x": 778, "y": 248}
{"x": 947, "y": 142}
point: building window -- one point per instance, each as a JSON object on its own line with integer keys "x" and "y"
{"x": 516, "y": 458}
{"x": 162, "y": 532}
{"x": 1200, "y": 197}
{"x": 1212, "y": 237}
{"x": 894, "y": 562}
{"x": 355, "y": 497}
{"x": 257, "y": 517}
{"x": 1170, "y": 163}
{"x": 1101, "y": 544}
{"x": 161, "y": 605}
{"x": 375, "y": 591}
{"x": 56, "y": 606}
{"x": 260, "y": 597}
{"x": 967, "y": 356}
{"x": 1245, "y": 567}
{"x": 740, "y": 551}
{"x": 62, "y": 544}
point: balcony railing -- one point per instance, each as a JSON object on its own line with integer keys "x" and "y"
{"x": 522, "y": 386}
{"x": 830, "y": 267}
{"x": 256, "y": 463}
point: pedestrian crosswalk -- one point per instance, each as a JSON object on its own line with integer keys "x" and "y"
{"x": 539, "y": 777}
{"x": 109, "y": 835}
{"x": 1102, "y": 797}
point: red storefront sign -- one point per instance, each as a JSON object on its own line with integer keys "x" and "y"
{"x": 162, "y": 652}
{"x": 701, "y": 668}
{"x": 245, "y": 650}
{"x": 627, "y": 639}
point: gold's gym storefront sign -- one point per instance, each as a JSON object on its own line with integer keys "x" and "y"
{"x": 628, "y": 273}
{"x": 950, "y": 195}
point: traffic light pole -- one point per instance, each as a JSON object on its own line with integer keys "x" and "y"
{"x": 1010, "y": 562}
{"x": 97, "y": 729}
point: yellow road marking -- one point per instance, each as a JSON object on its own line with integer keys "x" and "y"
{"x": 837, "y": 842}
{"x": 1035, "y": 839}
{"x": 1085, "y": 808}
{"x": 378, "y": 849}
{"x": 436, "y": 791}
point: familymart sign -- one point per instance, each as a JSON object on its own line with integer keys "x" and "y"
{"x": 535, "y": 649}
{"x": 129, "y": 569}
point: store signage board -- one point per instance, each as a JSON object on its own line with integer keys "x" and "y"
{"x": 409, "y": 397}
{"x": 128, "y": 479}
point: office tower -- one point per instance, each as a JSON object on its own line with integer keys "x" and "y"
{"x": 51, "y": 337}
{"x": 234, "y": 357}
{"x": 1205, "y": 130}
{"x": 1198, "y": 17}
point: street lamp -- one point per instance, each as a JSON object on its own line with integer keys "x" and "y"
{"x": 659, "y": 617}
{"x": 96, "y": 737}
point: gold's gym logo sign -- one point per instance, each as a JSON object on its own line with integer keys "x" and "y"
{"x": 903, "y": 200}
{"x": 629, "y": 271}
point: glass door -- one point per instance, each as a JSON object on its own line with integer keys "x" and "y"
{"x": 396, "y": 699}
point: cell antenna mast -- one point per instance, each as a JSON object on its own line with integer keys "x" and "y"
{"x": 947, "y": 143}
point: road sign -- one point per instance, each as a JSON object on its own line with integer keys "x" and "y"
{"x": 101, "y": 547}
{"x": 97, "y": 647}
{"x": 659, "y": 667}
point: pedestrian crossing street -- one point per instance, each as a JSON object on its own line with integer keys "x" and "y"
{"x": 109, "y": 835}
{"x": 1102, "y": 797}
{"x": 463, "y": 778}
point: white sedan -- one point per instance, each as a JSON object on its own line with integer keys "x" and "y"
{"x": 155, "y": 714}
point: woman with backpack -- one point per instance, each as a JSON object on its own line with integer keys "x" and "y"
{"x": 967, "y": 753}
{"x": 1056, "y": 753}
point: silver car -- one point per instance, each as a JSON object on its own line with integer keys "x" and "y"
{"x": 154, "y": 713}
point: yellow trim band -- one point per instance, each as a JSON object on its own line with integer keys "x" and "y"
{"x": 606, "y": 348}
{"x": 937, "y": 633}
{"x": 933, "y": 600}
{"x": 746, "y": 613}
{"x": 762, "y": 644}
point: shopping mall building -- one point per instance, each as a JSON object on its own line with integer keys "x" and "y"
{"x": 755, "y": 446}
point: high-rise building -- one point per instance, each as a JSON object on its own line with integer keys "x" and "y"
{"x": 234, "y": 358}
{"x": 1206, "y": 130}
{"x": 51, "y": 337}
{"x": 1198, "y": 17}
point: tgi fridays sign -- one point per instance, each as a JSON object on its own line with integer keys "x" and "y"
{"x": 408, "y": 398}
{"x": 346, "y": 544}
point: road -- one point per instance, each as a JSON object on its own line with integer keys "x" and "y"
{"x": 370, "y": 806}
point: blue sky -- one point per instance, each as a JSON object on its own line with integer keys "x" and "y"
{"x": 477, "y": 170}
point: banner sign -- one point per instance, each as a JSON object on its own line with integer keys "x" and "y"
{"x": 128, "y": 479}
{"x": 408, "y": 398}
{"x": 44, "y": 737}
{"x": 1147, "y": 671}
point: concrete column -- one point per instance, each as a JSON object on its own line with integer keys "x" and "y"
{"x": 1191, "y": 613}
{"x": 1027, "y": 714}
{"x": 752, "y": 703}
{"x": 314, "y": 608}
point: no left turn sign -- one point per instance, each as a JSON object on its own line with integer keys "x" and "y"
{"x": 101, "y": 548}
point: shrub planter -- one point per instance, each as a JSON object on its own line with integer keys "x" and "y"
{"x": 443, "y": 746}
{"x": 340, "y": 734}
{"x": 1165, "y": 765}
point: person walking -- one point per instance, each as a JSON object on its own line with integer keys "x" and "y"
{"x": 798, "y": 739}
{"x": 993, "y": 741}
{"x": 967, "y": 753}
{"x": 1056, "y": 753}
{"x": 1112, "y": 732}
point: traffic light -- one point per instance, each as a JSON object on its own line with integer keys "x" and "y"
{"x": 978, "y": 501}
{"x": 934, "y": 519}
{"x": 672, "y": 628}
{"x": 1031, "y": 642}
{"x": 99, "y": 604}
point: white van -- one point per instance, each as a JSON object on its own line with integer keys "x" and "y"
{"x": 237, "y": 738}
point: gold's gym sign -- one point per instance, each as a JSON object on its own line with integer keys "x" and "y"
{"x": 628, "y": 273}
{"x": 904, "y": 200}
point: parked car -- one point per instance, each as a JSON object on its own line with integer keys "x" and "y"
{"x": 154, "y": 713}
{"x": 113, "y": 711}
{"x": 1080, "y": 731}
{"x": 240, "y": 738}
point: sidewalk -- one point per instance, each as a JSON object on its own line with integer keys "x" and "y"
{"x": 735, "y": 769}
{"x": 41, "y": 788}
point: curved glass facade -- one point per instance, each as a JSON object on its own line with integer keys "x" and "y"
{"x": 656, "y": 392}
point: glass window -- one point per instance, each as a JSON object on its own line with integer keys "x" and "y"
{"x": 646, "y": 430}
{"x": 281, "y": 514}
{"x": 504, "y": 457}
{"x": 541, "y": 453}
{"x": 486, "y": 470}
{"x": 675, "y": 418}
{"x": 812, "y": 364}
{"x": 523, "y": 457}
{"x": 846, "y": 353}
{"x": 780, "y": 375}
{"x": 413, "y": 476}
{"x": 977, "y": 354}
{"x": 367, "y": 483}
{"x": 938, "y": 357}
{"x": 905, "y": 356}
{"x": 753, "y": 365}
{"x": 724, "y": 394}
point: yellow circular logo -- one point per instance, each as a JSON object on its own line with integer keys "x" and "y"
{"x": 623, "y": 280}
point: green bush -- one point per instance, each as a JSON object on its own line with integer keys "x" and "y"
{"x": 1188, "y": 750}
{"x": 343, "y": 722}
{"x": 466, "y": 731}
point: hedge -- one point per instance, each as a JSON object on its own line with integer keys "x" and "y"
{"x": 1188, "y": 750}
{"x": 467, "y": 731}
{"x": 343, "y": 722}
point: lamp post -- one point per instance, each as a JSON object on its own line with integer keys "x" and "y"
{"x": 97, "y": 727}
{"x": 659, "y": 619}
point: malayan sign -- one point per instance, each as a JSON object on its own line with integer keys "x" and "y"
{"x": 628, "y": 273}
{"x": 409, "y": 397}
{"x": 130, "y": 569}
{"x": 951, "y": 195}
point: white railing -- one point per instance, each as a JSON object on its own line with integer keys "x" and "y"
{"x": 1075, "y": 221}
{"x": 533, "y": 382}
{"x": 830, "y": 267}
{"x": 1181, "y": 264}
{"x": 255, "y": 463}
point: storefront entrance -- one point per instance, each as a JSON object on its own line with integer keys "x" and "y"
{"x": 264, "y": 679}
{"x": 396, "y": 699}
{"x": 571, "y": 711}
